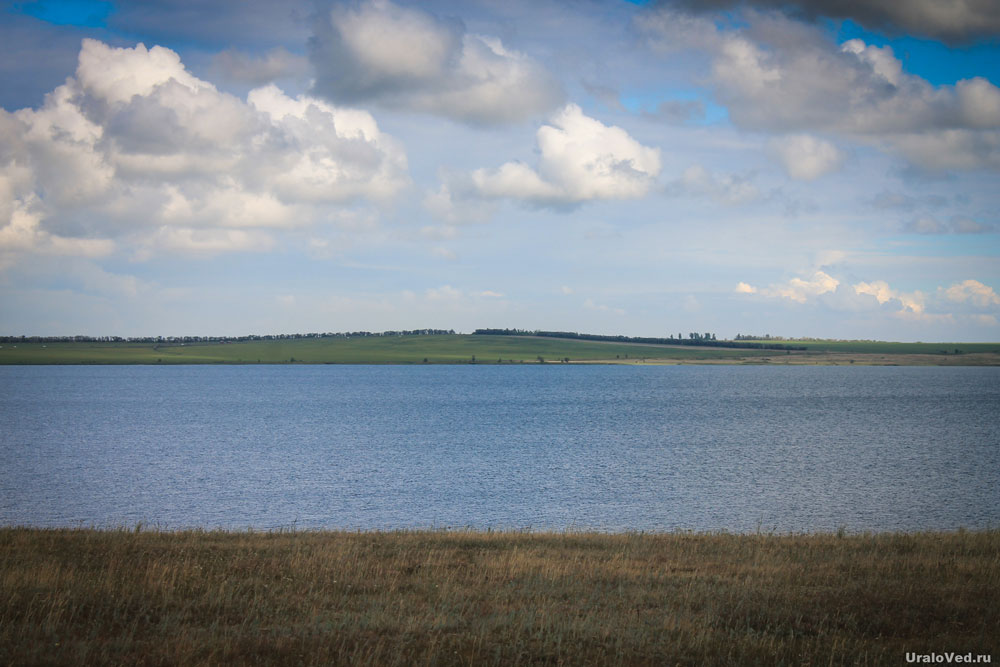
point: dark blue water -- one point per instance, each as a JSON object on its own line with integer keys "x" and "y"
{"x": 736, "y": 448}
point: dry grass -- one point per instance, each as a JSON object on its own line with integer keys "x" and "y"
{"x": 190, "y": 598}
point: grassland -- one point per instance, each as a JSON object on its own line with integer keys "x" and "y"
{"x": 453, "y": 349}
{"x": 76, "y": 597}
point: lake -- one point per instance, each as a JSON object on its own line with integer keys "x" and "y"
{"x": 609, "y": 448}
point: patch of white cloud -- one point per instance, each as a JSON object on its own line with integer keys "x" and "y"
{"x": 135, "y": 146}
{"x": 802, "y": 289}
{"x": 580, "y": 159}
{"x": 913, "y": 302}
{"x": 805, "y": 157}
{"x": 969, "y": 299}
{"x": 974, "y": 293}
{"x": 205, "y": 242}
{"x": 443, "y": 293}
{"x": 404, "y": 57}
{"x": 781, "y": 75}
{"x": 24, "y": 233}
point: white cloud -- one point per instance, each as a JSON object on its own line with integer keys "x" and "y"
{"x": 443, "y": 293}
{"x": 135, "y": 146}
{"x": 801, "y": 289}
{"x": 806, "y": 158}
{"x": 23, "y": 233}
{"x": 913, "y": 302}
{"x": 780, "y": 75}
{"x": 580, "y": 159}
{"x": 323, "y": 153}
{"x": 973, "y": 292}
{"x": 406, "y": 58}
{"x": 206, "y": 242}
{"x": 966, "y": 301}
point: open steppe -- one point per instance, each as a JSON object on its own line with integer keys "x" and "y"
{"x": 81, "y": 596}
{"x": 482, "y": 349}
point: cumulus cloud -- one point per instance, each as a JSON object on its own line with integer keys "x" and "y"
{"x": 23, "y": 233}
{"x": 784, "y": 76}
{"x": 909, "y": 301}
{"x": 135, "y": 145}
{"x": 804, "y": 157}
{"x": 801, "y": 289}
{"x": 968, "y": 299}
{"x": 953, "y": 21}
{"x": 403, "y": 57}
{"x": 580, "y": 159}
{"x": 974, "y": 293}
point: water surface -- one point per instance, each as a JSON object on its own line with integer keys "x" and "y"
{"x": 736, "y": 448}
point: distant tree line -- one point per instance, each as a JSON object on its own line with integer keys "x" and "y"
{"x": 174, "y": 340}
{"x": 756, "y": 337}
{"x": 706, "y": 339}
{"x": 699, "y": 339}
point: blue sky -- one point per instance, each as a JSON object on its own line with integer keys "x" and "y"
{"x": 174, "y": 167}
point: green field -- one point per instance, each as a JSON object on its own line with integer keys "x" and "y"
{"x": 81, "y": 597}
{"x": 435, "y": 349}
{"x": 460, "y": 349}
{"x": 884, "y": 347}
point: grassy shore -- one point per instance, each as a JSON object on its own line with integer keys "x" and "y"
{"x": 464, "y": 349}
{"x": 78, "y": 597}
